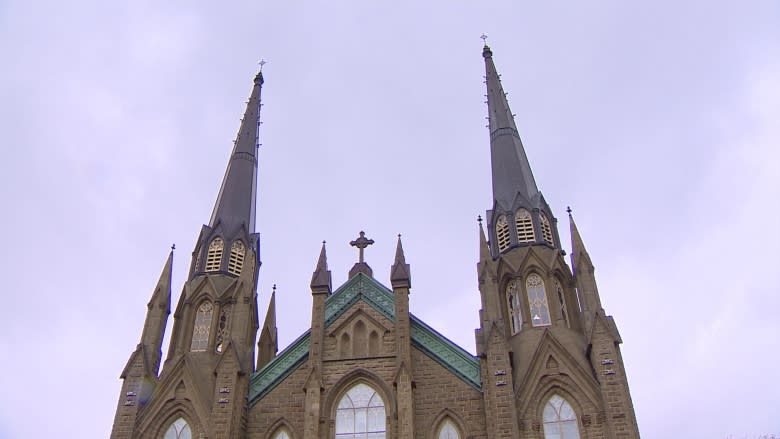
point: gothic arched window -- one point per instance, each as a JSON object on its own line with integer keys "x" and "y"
{"x": 514, "y": 307}
{"x": 537, "y": 301}
{"x": 361, "y": 414}
{"x": 236, "y": 262}
{"x": 448, "y": 430}
{"x": 281, "y": 434}
{"x": 524, "y": 226}
{"x": 560, "y": 421}
{"x": 179, "y": 429}
{"x": 223, "y": 327}
{"x": 200, "y": 332}
{"x": 502, "y": 233}
{"x": 214, "y": 256}
{"x": 546, "y": 228}
{"x": 562, "y": 299}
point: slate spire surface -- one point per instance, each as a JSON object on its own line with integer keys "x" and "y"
{"x": 233, "y": 207}
{"x": 510, "y": 168}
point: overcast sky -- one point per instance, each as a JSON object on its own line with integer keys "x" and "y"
{"x": 656, "y": 122}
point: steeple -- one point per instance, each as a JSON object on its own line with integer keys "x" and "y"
{"x": 583, "y": 271}
{"x": 321, "y": 279}
{"x": 519, "y": 215}
{"x": 233, "y": 207}
{"x": 268, "y": 345}
{"x": 400, "y": 275}
{"x": 511, "y": 170}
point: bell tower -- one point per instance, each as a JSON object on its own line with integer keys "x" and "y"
{"x": 533, "y": 340}
{"x": 205, "y": 377}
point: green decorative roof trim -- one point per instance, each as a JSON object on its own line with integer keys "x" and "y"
{"x": 361, "y": 287}
{"x": 273, "y": 373}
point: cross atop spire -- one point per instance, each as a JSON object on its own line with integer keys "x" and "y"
{"x": 361, "y": 267}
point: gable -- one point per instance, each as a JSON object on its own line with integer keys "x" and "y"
{"x": 361, "y": 287}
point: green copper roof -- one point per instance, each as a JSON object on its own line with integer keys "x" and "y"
{"x": 362, "y": 287}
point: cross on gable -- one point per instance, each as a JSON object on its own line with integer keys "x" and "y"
{"x": 361, "y": 243}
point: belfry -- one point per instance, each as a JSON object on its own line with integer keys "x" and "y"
{"x": 547, "y": 363}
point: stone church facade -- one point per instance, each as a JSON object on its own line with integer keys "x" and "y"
{"x": 548, "y": 361}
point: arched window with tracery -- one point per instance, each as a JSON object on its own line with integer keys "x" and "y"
{"x": 537, "y": 300}
{"x": 448, "y": 430}
{"x": 524, "y": 226}
{"x": 502, "y": 233}
{"x": 202, "y": 328}
{"x": 546, "y": 228}
{"x": 214, "y": 256}
{"x": 281, "y": 434}
{"x": 560, "y": 421}
{"x": 514, "y": 306}
{"x": 236, "y": 261}
{"x": 179, "y": 429}
{"x": 361, "y": 414}
{"x": 223, "y": 327}
{"x": 562, "y": 299}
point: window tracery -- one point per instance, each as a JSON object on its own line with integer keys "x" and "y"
{"x": 236, "y": 261}
{"x": 214, "y": 256}
{"x": 560, "y": 421}
{"x": 514, "y": 306}
{"x": 179, "y": 429}
{"x": 202, "y": 327}
{"x": 281, "y": 434}
{"x": 361, "y": 414}
{"x": 448, "y": 430}
{"x": 546, "y": 228}
{"x": 537, "y": 301}
{"x": 524, "y": 226}
{"x": 502, "y": 233}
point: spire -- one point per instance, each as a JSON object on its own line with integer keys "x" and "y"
{"x": 400, "y": 275}
{"x": 578, "y": 252}
{"x": 484, "y": 249}
{"x": 268, "y": 346}
{"x": 510, "y": 167}
{"x": 321, "y": 280}
{"x": 159, "y": 308}
{"x": 236, "y": 201}
{"x": 583, "y": 271}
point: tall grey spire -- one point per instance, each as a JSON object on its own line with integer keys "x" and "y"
{"x": 511, "y": 170}
{"x": 236, "y": 201}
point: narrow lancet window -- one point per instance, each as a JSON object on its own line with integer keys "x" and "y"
{"x": 562, "y": 300}
{"x": 179, "y": 429}
{"x": 361, "y": 414}
{"x": 502, "y": 233}
{"x": 214, "y": 257}
{"x": 515, "y": 312}
{"x": 524, "y": 226}
{"x": 546, "y": 229}
{"x": 448, "y": 430}
{"x": 223, "y": 327}
{"x": 560, "y": 421}
{"x": 200, "y": 332}
{"x": 537, "y": 301}
{"x": 236, "y": 262}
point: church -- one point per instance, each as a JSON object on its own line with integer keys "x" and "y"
{"x": 548, "y": 361}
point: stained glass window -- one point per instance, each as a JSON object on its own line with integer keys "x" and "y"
{"x": 546, "y": 228}
{"x": 282, "y": 434}
{"x": 236, "y": 262}
{"x": 524, "y": 226}
{"x": 537, "y": 301}
{"x": 515, "y": 309}
{"x": 361, "y": 414}
{"x": 560, "y": 421}
{"x": 448, "y": 430}
{"x": 223, "y": 327}
{"x": 200, "y": 332}
{"x": 562, "y": 300}
{"x": 179, "y": 429}
{"x": 502, "y": 233}
{"x": 214, "y": 257}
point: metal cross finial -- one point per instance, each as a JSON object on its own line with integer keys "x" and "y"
{"x": 484, "y": 38}
{"x": 479, "y": 219}
{"x": 173, "y": 246}
{"x": 274, "y": 288}
{"x": 361, "y": 243}
{"x": 568, "y": 210}
{"x": 262, "y": 63}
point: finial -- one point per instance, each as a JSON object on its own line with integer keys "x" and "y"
{"x": 361, "y": 243}
{"x": 173, "y": 246}
{"x": 484, "y": 38}
{"x": 261, "y": 63}
{"x": 568, "y": 210}
{"x": 479, "y": 219}
{"x": 399, "y": 236}
{"x": 274, "y": 289}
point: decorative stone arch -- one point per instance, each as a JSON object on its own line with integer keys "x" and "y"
{"x": 351, "y": 379}
{"x": 444, "y": 415}
{"x": 170, "y": 412}
{"x": 570, "y": 399}
{"x": 278, "y": 425}
{"x": 581, "y": 401}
